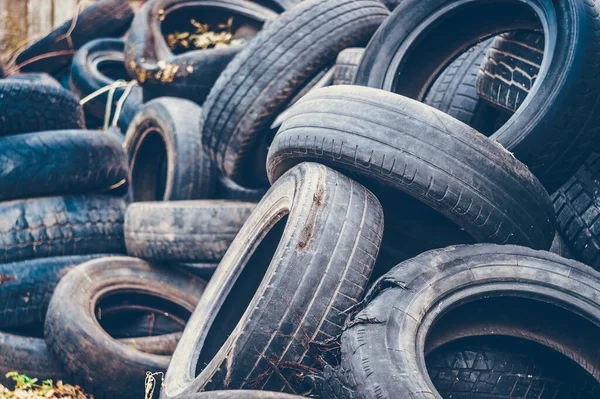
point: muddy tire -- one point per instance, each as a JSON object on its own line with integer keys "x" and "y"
{"x": 460, "y": 292}
{"x": 313, "y": 216}
{"x": 61, "y": 162}
{"x": 59, "y": 226}
{"x": 105, "y": 18}
{"x": 99, "y": 363}
{"x": 505, "y": 204}
{"x": 162, "y": 71}
{"x": 32, "y": 107}
{"x": 166, "y": 159}
{"x": 184, "y": 231}
{"x": 510, "y": 68}
{"x": 346, "y": 65}
{"x": 577, "y": 212}
{"x": 262, "y": 80}
{"x": 554, "y": 132}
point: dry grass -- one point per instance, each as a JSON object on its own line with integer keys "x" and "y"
{"x": 28, "y": 388}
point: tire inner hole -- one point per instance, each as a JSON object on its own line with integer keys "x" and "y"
{"x": 149, "y": 168}
{"x": 240, "y": 296}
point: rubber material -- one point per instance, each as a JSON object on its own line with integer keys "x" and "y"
{"x": 58, "y": 226}
{"x": 262, "y": 80}
{"x": 166, "y": 159}
{"x": 184, "y": 231}
{"x": 303, "y": 256}
{"x": 346, "y": 65}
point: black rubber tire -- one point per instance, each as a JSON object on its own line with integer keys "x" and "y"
{"x": 302, "y": 258}
{"x": 190, "y": 75}
{"x": 59, "y": 226}
{"x": 30, "y": 356}
{"x": 26, "y": 288}
{"x": 32, "y": 107}
{"x": 99, "y": 64}
{"x": 466, "y": 291}
{"x": 184, "y": 231}
{"x": 346, "y": 65}
{"x": 105, "y": 18}
{"x": 554, "y": 131}
{"x": 510, "y": 68}
{"x": 239, "y": 394}
{"x": 35, "y": 77}
{"x": 61, "y": 162}
{"x": 103, "y": 366}
{"x": 577, "y": 211}
{"x": 489, "y": 367}
{"x": 424, "y": 154}
{"x": 166, "y": 159}
{"x": 454, "y": 92}
{"x": 230, "y": 190}
{"x": 267, "y": 74}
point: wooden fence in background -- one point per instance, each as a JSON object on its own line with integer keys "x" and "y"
{"x": 24, "y": 19}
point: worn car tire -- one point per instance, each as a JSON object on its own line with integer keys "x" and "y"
{"x": 424, "y": 154}
{"x": 58, "y": 226}
{"x": 105, "y": 18}
{"x": 61, "y": 162}
{"x": 99, "y": 64}
{"x": 554, "y": 130}
{"x": 346, "y": 65}
{"x": 184, "y": 231}
{"x": 166, "y": 158}
{"x": 457, "y": 292}
{"x": 27, "y": 286}
{"x": 33, "y": 106}
{"x": 191, "y": 74}
{"x": 510, "y": 68}
{"x": 262, "y": 80}
{"x": 454, "y": 92}
{"x": 103, "y": 366}
{"x": 577, "y": 211}
{"x": 302, "y": 258}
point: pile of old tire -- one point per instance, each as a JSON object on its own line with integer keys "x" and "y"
{"x": 60, "y": 205}
{"x": 343, "y": 202}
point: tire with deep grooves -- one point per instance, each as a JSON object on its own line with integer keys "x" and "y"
{"x": 102, "y": 365}
{"x": 510, "y": 68}
{"x": 329, "y": 220}
{"x": 261, "y": 81}
{"x": 409, "y": 313}
{"x": 33, "y": 106}
{"x": 577, "y": 212}
{"x": 58, "y": 226}
{"x": 166, "y": 158}
{"x": 105, "y": 18}
{"x": 424, "y": 153}
{"x": 189, "y": 75}
{"x": 554, "y": 131}
{"x": 184, "y": 231}
{"x": 61, "y": 162}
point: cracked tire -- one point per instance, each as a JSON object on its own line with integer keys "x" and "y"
{"x": 33, "y": 106}
{"x": 271, "y": 291}
{"x": 267, "y": 74}
{"x": 105, "y": 18}
{"x": 59, "y": 226}
{"x": 346, "y": 65}
{"x": 466, "y": 291}
{"x": 61, "y": 162}
{"x": 102, "y": 365}
{"x": 99, "y": 64}
{"x": 577, "y": 212}
{"x": 191, "y": 74}
{"x": 552, "y": 133}
{"x": 27, "y": 286}
{"x": 425, "y": 154}
{"x": 184, "y": 231}
{"x": 166, "y": 159}
{"x": 510, "y": 68}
